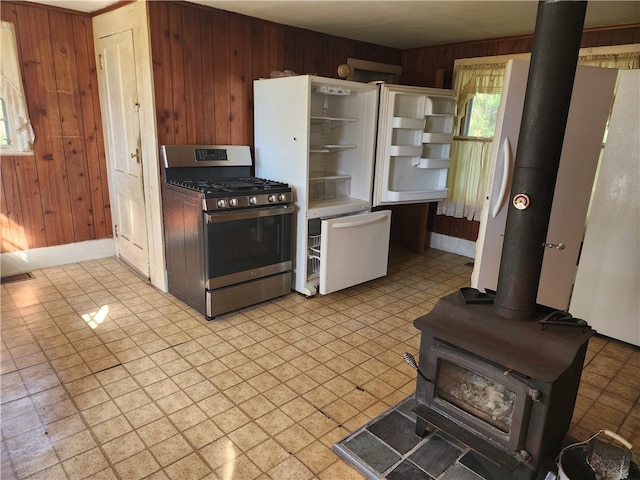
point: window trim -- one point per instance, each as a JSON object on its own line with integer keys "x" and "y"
{"x": 15, "y": 103}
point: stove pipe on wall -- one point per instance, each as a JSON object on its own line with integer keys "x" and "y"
{"x": 554, "y": 56}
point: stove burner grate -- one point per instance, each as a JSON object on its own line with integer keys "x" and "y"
{"x": 228, "y": 185}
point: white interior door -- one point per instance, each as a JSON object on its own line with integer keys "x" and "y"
{"x": 120, "y": 107}
{"x": 607, "y": 290}
{"x": 590, "y": 106}
{"x": 354, "y": 249}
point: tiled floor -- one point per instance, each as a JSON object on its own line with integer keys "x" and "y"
{"x": 104, "y": 377}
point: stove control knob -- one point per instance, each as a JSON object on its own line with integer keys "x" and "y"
{"x": 222, "y": 203}
{"x": 253, "y": 200}
{"x": 233, "y": 202}
{"x": 271, "y": 198}
{"x": 282, "y": 197}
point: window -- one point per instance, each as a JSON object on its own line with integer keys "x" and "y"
{"x": 5, "y": 133}
{"x": 480, "y": 117}
{"x": 16, "y": 134}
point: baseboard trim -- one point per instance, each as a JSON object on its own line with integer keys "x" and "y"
{"x": 459, "y": 246}
{"x": 12, "y": 263}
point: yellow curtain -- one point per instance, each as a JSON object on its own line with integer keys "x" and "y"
{"x": 621, "y": 61}
{"x": 472, "y": 79}
{"x": 469, "y": 162}
{"x": 469, "y": 157}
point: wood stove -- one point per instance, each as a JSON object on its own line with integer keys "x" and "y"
{"x": 512, "y": 384}
{"x": 497, "y": 371}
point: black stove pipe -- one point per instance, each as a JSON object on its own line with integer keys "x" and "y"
{"x": 554, "y": 57}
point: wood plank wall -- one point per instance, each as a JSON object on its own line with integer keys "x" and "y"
{"x": 205, "y": 61}
{"x": 59, "y": 195}
{"x": 423, "y": 66}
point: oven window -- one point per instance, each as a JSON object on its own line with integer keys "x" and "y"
{"x": 476, "y": 394}
{"x": 247, "y": 244}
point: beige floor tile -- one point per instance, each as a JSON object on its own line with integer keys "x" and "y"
{"x": 261, "y": 393}
{"x": 138, "y": 466}
{"x": 170, "y": 450}
{"x": 191, "y": 467}
{"x": 85, "y": 464}
{"x": 291, "y": 469}
{"x": 267, "y": 455}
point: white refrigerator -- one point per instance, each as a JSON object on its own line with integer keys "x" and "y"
{"x": 345, "y": 147}
{"x": 588, "y": 111}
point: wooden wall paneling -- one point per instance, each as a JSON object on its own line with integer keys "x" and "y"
{"x": 194, "y": 76}
{"x": 66, "y": 74}
{"x": 92, "y": 126}
{"x": 340, "y": 52}
{"x": 40, "y": 86}
{"x": 625, "y": 36}
{"x": 261, "y": 52}
{"x": 160, "y": 32}
{"x": 177, "y": 72}
{"x": 11, "y": 219}
{"x": 208, "y": 91}
{"x": 299, "y": 53}
{"x": 28, "y": 183}
{"x": 221, "y": 79}
{"x": 241, "y": 82}
{"x": 276, "y": 50}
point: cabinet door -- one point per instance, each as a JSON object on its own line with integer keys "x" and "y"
{"x": 354, "y": 249}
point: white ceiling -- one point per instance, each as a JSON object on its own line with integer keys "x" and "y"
{"x": 403, "y": 24}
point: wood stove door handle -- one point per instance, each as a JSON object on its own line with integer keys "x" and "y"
{"x": 506, "y": 173}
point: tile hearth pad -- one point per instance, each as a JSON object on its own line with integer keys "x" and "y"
{"x": 387, "y": 448}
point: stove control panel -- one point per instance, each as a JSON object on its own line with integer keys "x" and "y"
{"x": 247, "y": 201}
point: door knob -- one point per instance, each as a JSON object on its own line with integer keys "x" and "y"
{"x": 136, "y": 155}
{"x": 559, "y": 246}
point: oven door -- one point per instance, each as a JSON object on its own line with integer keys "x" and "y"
{"x": 247, "y": 245}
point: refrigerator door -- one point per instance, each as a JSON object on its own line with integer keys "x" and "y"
{"x": 493, "y": 217}
{"x": 354, "y": 249}
{"x": 590, "y": 104}
{"x": 415, "y": 131}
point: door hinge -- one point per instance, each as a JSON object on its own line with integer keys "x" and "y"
{"x": 115, "y": 228}
{"x": 100, "y": 61}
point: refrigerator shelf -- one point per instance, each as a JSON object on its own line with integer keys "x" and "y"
{"x": 408, "y": 123}
{"x": 417, "y": 196}
{"x": 431, "y": 163}
{"x": 405, "y": 150}
{"x": 441, "y": 106}
{"x": 431, "y": 137}
{"x": 331, "y": 122}
{"x": 330, "y": 148}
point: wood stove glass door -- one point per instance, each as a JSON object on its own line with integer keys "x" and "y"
{"x": 480, "y": 395}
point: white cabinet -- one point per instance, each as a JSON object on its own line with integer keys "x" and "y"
{"x": 415, "y": 132}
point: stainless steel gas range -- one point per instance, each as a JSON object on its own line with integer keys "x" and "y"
{"x": 228, "y": 235}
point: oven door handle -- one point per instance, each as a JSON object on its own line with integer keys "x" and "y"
{"x": 247, "y": 214}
